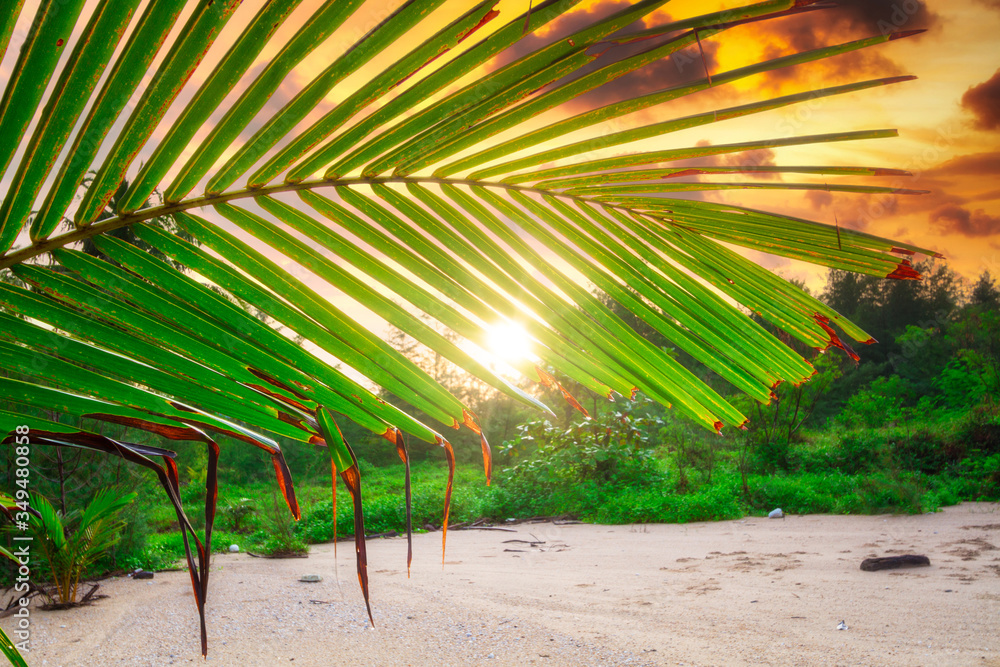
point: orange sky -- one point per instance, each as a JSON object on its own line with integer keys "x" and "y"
{"x": 948, "y": 119}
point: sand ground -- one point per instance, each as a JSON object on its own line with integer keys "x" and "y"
{"x": 754, "y": 591}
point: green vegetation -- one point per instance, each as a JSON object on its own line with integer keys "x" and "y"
{"x": 10, "y": 651}
{"x": 901, "y": 442}
{"x": 894, "y": 445}
{"x": 67, "y": 546}
{"x": 128, "y": 322}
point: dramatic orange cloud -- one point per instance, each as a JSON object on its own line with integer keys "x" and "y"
{"x": 983, "y": 102}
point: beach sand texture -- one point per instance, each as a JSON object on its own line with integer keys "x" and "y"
{"x": 753, "y": 591}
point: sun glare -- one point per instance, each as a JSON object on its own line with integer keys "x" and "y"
{"x": 509, "y": 341}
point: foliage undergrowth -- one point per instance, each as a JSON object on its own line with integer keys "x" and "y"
{"x": 913, "y": 434}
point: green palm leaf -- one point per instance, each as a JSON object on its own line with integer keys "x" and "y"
{"x": 430, "y": 187}
{"x": 10, "y": 651}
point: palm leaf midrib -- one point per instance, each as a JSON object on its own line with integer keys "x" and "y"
{"x": 142, "y": 215}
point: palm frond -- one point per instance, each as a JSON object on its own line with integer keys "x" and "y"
{"x": 9, "y": 650}
{"x": 431, "y": 188}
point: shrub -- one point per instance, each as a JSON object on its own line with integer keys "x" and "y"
{"x": 801, "y": 494}
{"x": 924, "y": 451}
{"x": 233, "y": 513}
{"x": 152, "y": 557}
{"x": 858, "y": 451}
{"x": 657, "y": 505}
{"x": 982, "y": 476}
{"x": 69, "y": 545}
{"x": 879, "y": 404}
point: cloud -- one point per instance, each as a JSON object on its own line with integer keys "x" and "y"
{"x": 974, "y": 164}
{"x": 953, "y": 184}
{"x": 852, "y": 66}
{"x": 854, "y": 19}
{"x": 883, "y": 16}
{"x": 849, "y": 21}
{"x": 860, "y": 211}
{"x": 989, "y": 195}
{"x": 567, "y": 24}
{"x": 819, "y": 199}
{"x": 762, "y": 157}
{"x": 759, "y": 157}
{"x": 959, "y": 220}
{"x": 681, "y": 67}
{"x": 983, "y": 102}
{"x": 854, "y": 210}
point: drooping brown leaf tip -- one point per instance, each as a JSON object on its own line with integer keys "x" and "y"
{"x": 400, "y": 444}
{"x": 545, "y": 378}
{"x": 487, "y": 459}
{"x": 404, "y": 456}
{"x": 469, "y": 419}
{"x": 835, "y": 340}
{"x": 905, "y": 271}
{"x": 487, "y": 17}
{"x": 333, "y": 502}
{"x": 352, "y": 480}
{"x": 450, "y": 456}
{"x": 575, "y": 403}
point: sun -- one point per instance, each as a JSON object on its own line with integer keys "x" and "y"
{"x": 508, "y": 341}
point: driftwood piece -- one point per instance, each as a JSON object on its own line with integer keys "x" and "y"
{"x": 390, "y": 533}
{"x": 893, "y": 562}
{"x": 497, "y": 528}
{"x": 279, "y": 555}
{"x": 15, "y": 602}
{"x": 88, "y": 599}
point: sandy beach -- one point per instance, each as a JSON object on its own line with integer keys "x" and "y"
{"x": 753, "y": 591}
